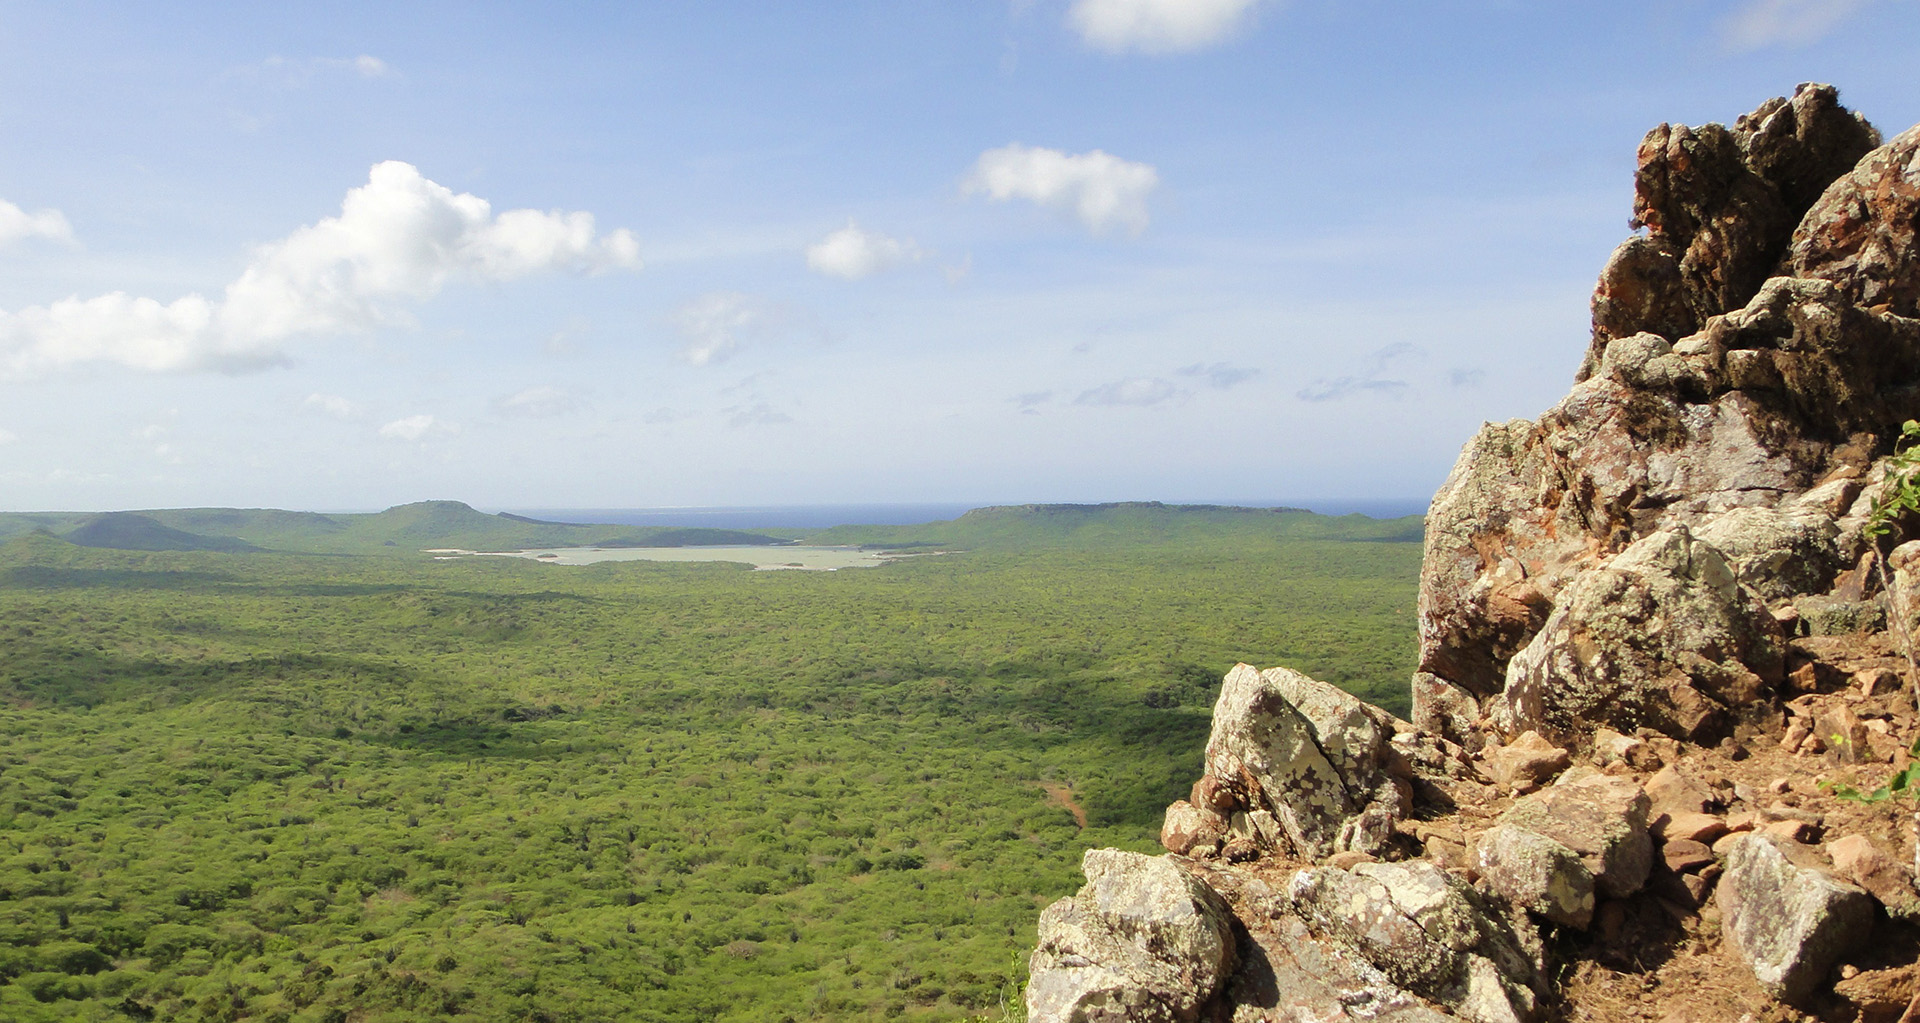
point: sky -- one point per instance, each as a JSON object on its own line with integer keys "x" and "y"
{"x": 341, "y": 257}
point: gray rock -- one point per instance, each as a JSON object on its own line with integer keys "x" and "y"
{"x": 1423, "y": 929}
{"x": 1446, "y": 710}
{"x": 1190, "y": 830}
{"x": 1775, "y": 553}
{"x": 1602, "y": 818}
{"x": 1790, "y": 924}
{"x": 1537, "y": 874}
{"x": 1142, "y": 942}
{"x": 1664, "y": 636}
{"x": 1556, "y": 850}
{"x": 1826, "y": 615}
{"x": 1312, "y": 757}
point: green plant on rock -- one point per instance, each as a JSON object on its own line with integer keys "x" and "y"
{"x": 1899, "y": 497}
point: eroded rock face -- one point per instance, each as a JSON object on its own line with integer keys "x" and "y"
{"x": 1142, "y": 942}
{"x": 1663, "y": 636}
{"x": 1861, "y": 233}
{"x": 1310, "y": 757}
{"x": 1759, "y": 343}
{"x": 1719, "y": 205}
{"x": 1790, "y": 924}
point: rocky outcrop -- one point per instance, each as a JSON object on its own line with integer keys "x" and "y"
{"x": 1751, "y": 357}
{"x": 1307, "y": 768}
{"x": 1143, "y": 942}
{"x": 1632, "y": 612}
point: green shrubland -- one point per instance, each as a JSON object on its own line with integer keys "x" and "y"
{"x": 270, "y": 786}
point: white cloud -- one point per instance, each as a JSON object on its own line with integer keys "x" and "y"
{"x": 1763, "y": 23}
{"x": 1220, "y": 375}
{"x": 757, "y": 414}
{"x": 8, "y": 436}
{"x": 1372, "y": 378}
{"x": 1140, "y": 391}
{"x": 18, "y": 225}
{"x": 399, "y": 237}
{"x": 332, "y": 405}
{"x": 414, "y": 428}
{"x": 299, "y": 71}
{"x": 714, "y": 325}
{"x": 537, "y": 402}
{"x": 1101, "y": 189}
{"x": 853, "y": 253}
{"x": 1157, "y": 26}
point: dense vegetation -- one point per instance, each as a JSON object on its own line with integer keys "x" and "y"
{"x": 375, "y": 786}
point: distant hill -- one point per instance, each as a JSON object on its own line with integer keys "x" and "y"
{"x": 407, "y": 529}
{"x": 1127, "y": 523}
{"x": 126, "y": 531}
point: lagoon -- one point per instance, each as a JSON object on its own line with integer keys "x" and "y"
{"x": 764, "y": 558}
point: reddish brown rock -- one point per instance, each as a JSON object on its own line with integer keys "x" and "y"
{"x": 1861, "y": 233}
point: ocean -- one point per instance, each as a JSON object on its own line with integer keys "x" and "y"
{"x": 822, "y": 516}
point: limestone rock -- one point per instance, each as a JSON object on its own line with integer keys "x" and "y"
{"x": 1142, "y": 942}
{"x": 1663, "y": 636}
{"x": 1310, "y": 755}
{"x": 1861, "y": 232}
{"x": 1776, "y": 554}
{"x": 1789, "y": 923}
{"x": 1537, "y": 874}
{"x": 1555, "y": 850}
{"x": 1188, "y": 829}
{"x": 1423, "y": 929}
{"x": 1525, "y": 763}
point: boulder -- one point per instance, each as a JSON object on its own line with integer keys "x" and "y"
{"x": 1424, "y": 929}
{"x": 1142, "y": 942}
{"x": 1537, "y": 874}
{"x": 1309, "y": 755}
{"x": 1775, "y": 553}
{"x": 1190, "y": 830}
{"x": 1555, "y": 850}
{"x": 1664, "y": 636}
{"x": 1788, "y": 923}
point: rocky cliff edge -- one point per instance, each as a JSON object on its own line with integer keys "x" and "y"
{"x": 1654, "y": 645}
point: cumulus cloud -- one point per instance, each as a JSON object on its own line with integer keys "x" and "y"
{"x": 1763, "y": 23}
{"x": 332, "y": 405}
{"x": 1101, "y": 189}
{"x": 414, "y": 428}
{"x": 537, "y": 402}
{"x": 1220, "y": 375}
{"x": 398, "y": 238}
{"x": 1372, "y": 379}
{"x": 17, "y": 225}
{"x": 1137, "y": 391}
{"x": 853, "y": 253}
{"x": 1157, "y": 26}
{"x": 717, "y": 323}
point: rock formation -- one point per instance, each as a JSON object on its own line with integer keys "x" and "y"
{"x": 1642, "y": 617}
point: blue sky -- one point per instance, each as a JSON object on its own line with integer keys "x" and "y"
{"x": 751, "y": 254}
